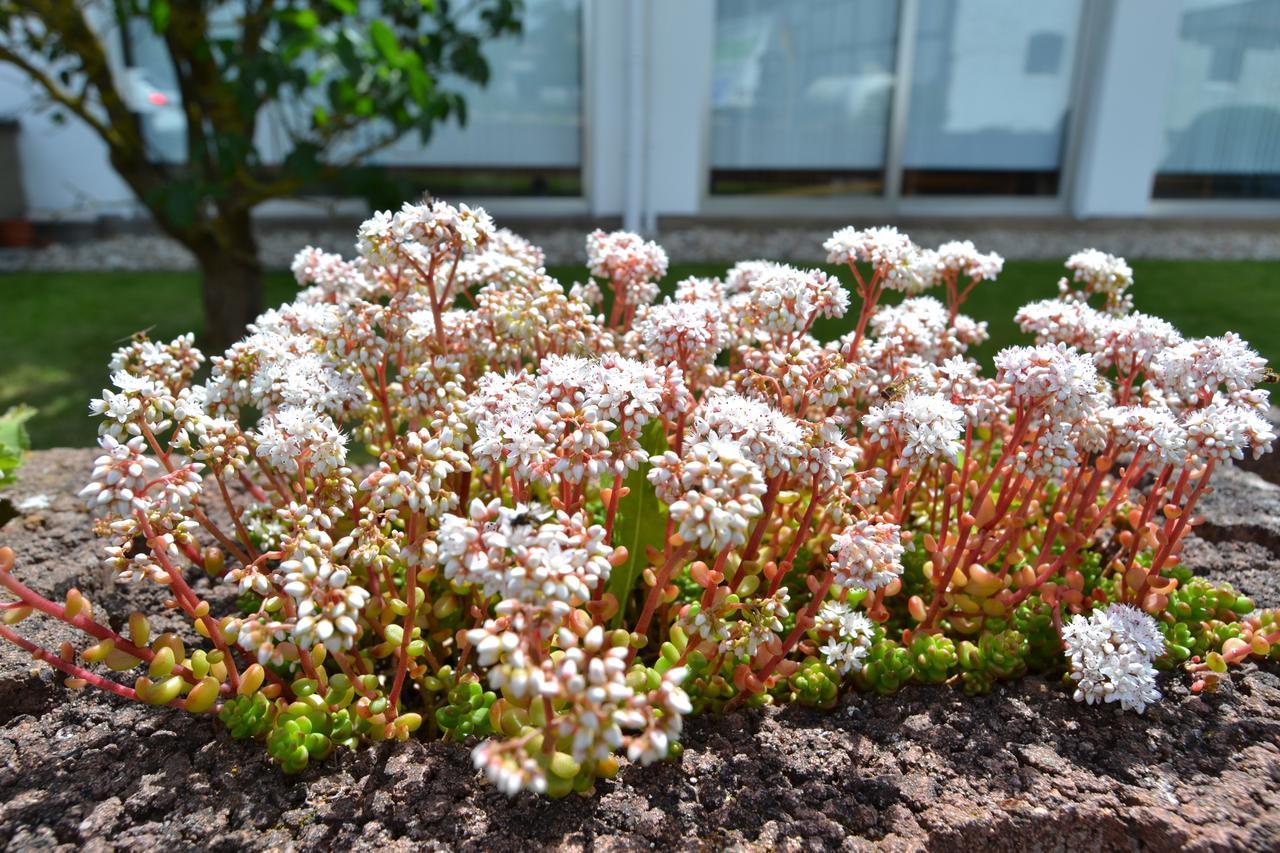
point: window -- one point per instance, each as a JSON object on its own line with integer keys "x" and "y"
{"x": 524, "y": 128}
{"x": 991, "y": 87}
{"x": 1222, "y": 124}
{"x": 801, "y": 93}
{"x": 803, "y": 96}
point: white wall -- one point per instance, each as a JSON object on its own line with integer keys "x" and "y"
{"x": 681, "y": 35}
{"x": 1123, "y": 131}
{"x": 65, "y": 171}
{"x": 604, "y": 87}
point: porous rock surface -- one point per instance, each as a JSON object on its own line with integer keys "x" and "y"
{"x": 1023, "y": 768}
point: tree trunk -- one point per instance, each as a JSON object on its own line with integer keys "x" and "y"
{"x": 231, "y": 282}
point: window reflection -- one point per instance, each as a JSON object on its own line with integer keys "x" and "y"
{"x": 990, "y": 97}
{"x": 1222, "y": 126}
{"x": 800, "y": 95}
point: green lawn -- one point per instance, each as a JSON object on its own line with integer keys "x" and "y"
{"x": 58, "y": 329}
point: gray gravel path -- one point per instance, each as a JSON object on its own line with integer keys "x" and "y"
{"x": 688, "y": 242}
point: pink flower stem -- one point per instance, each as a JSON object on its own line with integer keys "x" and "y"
{"x": 655, "y": 593}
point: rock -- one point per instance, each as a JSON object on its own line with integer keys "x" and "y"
{"x": 1241, "y": 507}
{"x": 1022, "y": 768}
{"x": 1251, "y": 568}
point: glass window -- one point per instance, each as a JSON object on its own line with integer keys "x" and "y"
{"x": 801, "y": 94}
{"x": 1222, "y": 125}
{"x": 524, "y": 128}
{"x": 990, "y": 96}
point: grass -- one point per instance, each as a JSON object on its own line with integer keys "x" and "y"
{"x": 57, "y": 330}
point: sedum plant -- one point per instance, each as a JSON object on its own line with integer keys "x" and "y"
{"x": 578, "y": 515}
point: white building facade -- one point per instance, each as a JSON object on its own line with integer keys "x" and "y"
{"x": 810, "y": 108}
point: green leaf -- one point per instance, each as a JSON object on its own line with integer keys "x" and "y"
{"x": 420, "y": 84}
{"x": 161, "y": 13}
{"x": 346, "y": 7}
{"x": 14, "y": 441}
{"x": 641, "y": 522}
{"x": 306, "y": 19}
{"x": 384, "y": 39}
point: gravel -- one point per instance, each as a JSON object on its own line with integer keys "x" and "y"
{"x": 690, "y": 242}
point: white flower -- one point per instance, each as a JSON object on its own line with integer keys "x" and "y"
{"x": 1191, "y": 372}
{"x": 1154, "y": 431}
{"x": 122, "y": 476}
{"x": 890, "y": 252}
{"x": 1098, "y": 272}
{"x": 420, "y": 478}
{"x": 1060, "y": 380}
{"x": 926, "y": 428}
{"x": 333, "y": 276}
{"x": 1111, "y": 654}
{"x": 867, "y": 555}
{"x": 759, "y": 624}
{"x": 327, "y": 604}
{"x": 849, "y": 636}
{"x": 597, "y": 709}
{"x": 769, "y": 438}
{"x": 844, "y": 657}
{"x": 960, "y": 256}
{"x": 1225, "y": 431}
{"x": 632, "y": 264}
{"x": 712, "y": 491}
{"x": 690, "y": 334}
{"x": 784, "y": 300}
{"x": 510, "y": 769}
{"x": 293, "y": 437}
{"x": 525, "y": 554}
{"x": 920, "y": 326}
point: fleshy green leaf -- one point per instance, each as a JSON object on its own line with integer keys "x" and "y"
{"x": 641, "y": 521}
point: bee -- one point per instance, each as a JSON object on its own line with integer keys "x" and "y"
{"x": 897, "y": 388}
{"x": 137, "y": 337}
{"x": 523, "y": 518}
{"x": 526, "y": 516}
{"x": 1270, "y": 377}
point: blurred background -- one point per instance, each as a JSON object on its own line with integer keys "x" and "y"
{"x": 724, "y": 128}
{"x": 1080, "y": 108}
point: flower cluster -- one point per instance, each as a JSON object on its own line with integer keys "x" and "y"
{"x": 1111, "y": 654}
{"x": 449, "y": 495}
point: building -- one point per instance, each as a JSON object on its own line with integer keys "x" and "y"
{"x": 811, "y": 108}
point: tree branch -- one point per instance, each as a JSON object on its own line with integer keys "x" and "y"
{"x": 77, "y": 105}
